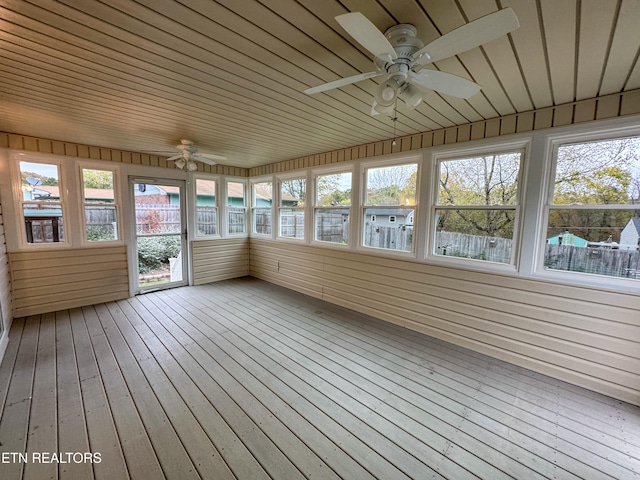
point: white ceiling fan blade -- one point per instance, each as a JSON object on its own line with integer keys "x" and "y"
{"x": 175, "y": 157}
{"x": 374, "y": 112}
{"x": 342, "y": 82}
{"x": 471, "y": 35}
{"x": 446, "y": 83}
{"x": 212, "y": 156}
{"x": 367, "y": 35}
{"x": 203, "y": 159}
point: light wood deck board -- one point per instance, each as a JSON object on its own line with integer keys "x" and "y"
{"x": 486, "y": 409}
{"x": 101, "y": 429}
{"x": 246, "y": 379}
{"x": 388, "y": 396}
{"x": 400, "y": 442}
{"x": 43, "y": 421}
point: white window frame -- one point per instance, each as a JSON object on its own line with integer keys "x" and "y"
{"x": 254, "y": 182}
{"x": 216, "y": 180}
{"x": 522, "y": 144}
{"x": 298, "y": 175}
{"x": 312, "y": 193}
{"x": 553, "y": 142}
{"x": 117, "y": 203}
{"x": 363, "y": 206}
{"x": 19, "y": 199}
{"x": 225, "y": 191}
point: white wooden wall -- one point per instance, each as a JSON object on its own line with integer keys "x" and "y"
{"x": 215, "y": 260}
{"x": 5, "y": 289}
{"x": 48, "y": 280}
{"x": 586, "y": 336}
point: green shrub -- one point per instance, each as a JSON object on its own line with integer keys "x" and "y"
{"x": 155, "y": 252}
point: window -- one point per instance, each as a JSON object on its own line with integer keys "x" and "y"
{"x": 99, "y": 204}
{"x": 236, "y": 207}
{"x": 293, "y": 193}
{"x": 206, "y": 208}
{"x": 332, "y": 207}
{"x": 41, "y": 203}
{"x": 262, "y": 203}
{"x": 477, "y": 207}
{"x": 390, "y": 202}
{"x": 593, "y": 209}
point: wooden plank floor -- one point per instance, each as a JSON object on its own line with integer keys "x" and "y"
{"x": 244, "y": 379}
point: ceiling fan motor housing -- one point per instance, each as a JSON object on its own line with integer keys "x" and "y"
{"x": 405, "y": 43}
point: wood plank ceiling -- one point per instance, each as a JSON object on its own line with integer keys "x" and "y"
{"x": 230, "y": 74}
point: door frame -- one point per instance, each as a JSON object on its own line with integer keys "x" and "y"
{"x": 133, "y": 237}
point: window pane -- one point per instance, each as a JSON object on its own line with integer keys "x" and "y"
{"x": 388, "y": 228}
{"x": 99, "y": 212}
{"x": 604, "y": 242}
{"x": 598, "y": 173}
{"x": 262, "y": 201}
{"x": 43, "y": 223}
{"x": 333, "y": 189}
{"x": 262, "y": 221}
{"x": 41, "y": 203}
{"x": 98, "y": 186}
{"x": 477, "y": 234}
{"x": 101, "y": 223}
{"x": 206, "y": 210}
{"x": 332, "y": 225}
{"x": 40, "y": 182}
{"x": 394, "y": 185}
{"x": 236, "y": 207}
{"x": 486, "y": 180}
{"x": 291, "y": 223}
{"x": 293, "y": 192}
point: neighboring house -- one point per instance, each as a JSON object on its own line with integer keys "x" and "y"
{"x": 386, "y": 217}
{"x": 630, "y": 235}
{"x": 567, "y": 238}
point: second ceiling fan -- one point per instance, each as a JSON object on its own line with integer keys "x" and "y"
{"x": 400, "y": 55}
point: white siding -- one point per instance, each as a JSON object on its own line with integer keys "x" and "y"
{"x": 585, "y": 336}
{"x": 215, "y": 260}
{"x": 50, "y": 280}
{"x": 5, "y": 290}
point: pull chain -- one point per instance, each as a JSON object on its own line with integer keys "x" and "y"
{"x": 394, "y": 120}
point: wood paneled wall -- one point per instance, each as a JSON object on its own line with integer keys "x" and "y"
{"x": 46, "y": 281}
{"x": 609, "y": 106}
{"x": 215, "y": 260}
{"x": 5, "y": 289}
{"x": 585, "y": 336}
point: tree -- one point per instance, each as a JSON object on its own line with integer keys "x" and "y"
{"x": 295, "y": 188}
{"x": 101, "y": 179}
{"x": 395, "y": 185}
{"x": 483, "y": 182}
{"x": 595, "y": 173}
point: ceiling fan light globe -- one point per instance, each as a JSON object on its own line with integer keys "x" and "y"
{"x": 387, "y": 93}
{"x": 412, "y": 97}
{"x": 180, "y": 163}
{"x": 191, "y": 166}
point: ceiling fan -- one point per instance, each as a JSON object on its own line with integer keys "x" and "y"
{"x": 189, "y": 155}
{"x": 400, "y": 56}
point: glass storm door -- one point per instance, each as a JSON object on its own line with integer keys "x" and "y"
{"x": 159, "y": 233}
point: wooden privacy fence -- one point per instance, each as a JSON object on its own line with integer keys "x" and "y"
{"x": 155, "y": 218}
{"x": 391, "y": 238}
{"x": 479, "y": 247}
{"x": 292, "y": 224}
{"x": 601, "y": 261}
{"x": 332, "y": 227}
